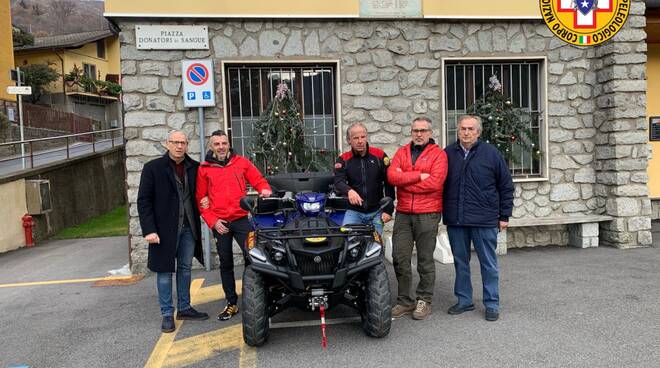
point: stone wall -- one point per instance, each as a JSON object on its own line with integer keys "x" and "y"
{"x": 390, "y": 72}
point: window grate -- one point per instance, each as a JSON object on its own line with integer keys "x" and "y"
{"x": 467, "y": 82}
{"x": 252, "y": 87}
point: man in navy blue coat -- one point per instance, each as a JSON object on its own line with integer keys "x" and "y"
{"x": 478, "y": 200}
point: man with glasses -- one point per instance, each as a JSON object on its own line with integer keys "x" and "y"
{"x": 170, "y": 223}
{"x": 223, "y": 179}
{"x": 418, "y": 172}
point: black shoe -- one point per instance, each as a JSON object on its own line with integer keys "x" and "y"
{"x": 458, "y": 309}
{"x": 191, "y": 314}
{"x": 492, "y": 314}
{"x": 168, "y": 324}
{"x": 228, "y": 312}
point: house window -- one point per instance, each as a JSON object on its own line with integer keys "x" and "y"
{"x": 522, "y": 80}
{"x": 90, "y": 71}
{"x": 100, "y": 49}
{"x": 252, "y": 87}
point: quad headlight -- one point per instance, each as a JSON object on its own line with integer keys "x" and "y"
{"x": 311, "y": 206}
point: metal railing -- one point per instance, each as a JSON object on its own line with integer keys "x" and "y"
{"x": 73, "y": 144}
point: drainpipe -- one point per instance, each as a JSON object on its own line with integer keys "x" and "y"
{"x": 66, "y": 98}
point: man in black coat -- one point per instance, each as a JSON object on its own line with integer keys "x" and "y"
{"x": 170, "y": 223}
{"x": 478, "y": 200}
{"x": 361, "y": 175}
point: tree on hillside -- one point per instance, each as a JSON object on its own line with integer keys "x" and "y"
{"x": 37, "y": 10}
{"x": 63, "y": 9}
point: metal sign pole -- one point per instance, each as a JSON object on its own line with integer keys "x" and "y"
{"x": 206, "y": 241}
{"x": 20, "y": 117}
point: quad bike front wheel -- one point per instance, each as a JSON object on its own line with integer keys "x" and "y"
{"x": 377, "y": 310}
{"x": 255, "y": 308}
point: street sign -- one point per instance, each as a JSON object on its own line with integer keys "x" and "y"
{"x": 171, "y": 37}
{"x": 198, "y": 85}
{"x": 19, "y": 90}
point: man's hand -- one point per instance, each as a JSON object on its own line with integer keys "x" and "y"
{"x": 204, "y": 203}
{"x": 265, "y": 193}
{"x": 424, "y": 176}
{"x": 220, "y": 226}
{"x": 385, "y": 217}
{"x": 503, "y": 225}
{"x": 354, "y": 198}
{"x": 152, "y": 238}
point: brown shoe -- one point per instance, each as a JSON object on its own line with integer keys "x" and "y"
{"x": 399, "y": 310}
{"x": 422, "y": 310}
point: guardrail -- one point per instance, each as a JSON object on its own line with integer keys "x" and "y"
{"x": 71, "y": 141}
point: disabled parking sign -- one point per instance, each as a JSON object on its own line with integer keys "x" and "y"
{"x": 198, "y": 85}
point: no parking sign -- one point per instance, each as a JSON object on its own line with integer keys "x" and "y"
{"x": 198, "y": 85}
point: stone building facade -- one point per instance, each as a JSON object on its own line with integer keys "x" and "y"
{"x": 595, "y": 139}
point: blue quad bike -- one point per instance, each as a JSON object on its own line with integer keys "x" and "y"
{"x": 299, "y": 255}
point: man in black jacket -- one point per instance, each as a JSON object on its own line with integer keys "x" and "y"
{"x": 361, "y": 175}
{"x": 170, "y": 223}
{"x": 478, "y": 200}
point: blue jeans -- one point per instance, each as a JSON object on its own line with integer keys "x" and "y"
{"x": 184, "y": 255}
{"x": 355, "y": 217}
{"x": 484, "y": 240}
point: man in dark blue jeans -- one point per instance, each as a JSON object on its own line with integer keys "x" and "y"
{"x": 478, "y": 200}
{"x": 170, "y": 223}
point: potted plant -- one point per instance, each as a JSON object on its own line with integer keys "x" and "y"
{"x": 87, "y": 84}
{"x": 101, "y": 87}
{"x": 72, "y": 78}
{"x": 113, "y": 89}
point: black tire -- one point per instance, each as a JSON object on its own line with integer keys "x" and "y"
{"x": 377, "y": 310}
{"x": 256, "y": 326}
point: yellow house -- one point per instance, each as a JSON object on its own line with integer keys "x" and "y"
{"x": 7, "y": 59}
{"x": 95, "y": 54}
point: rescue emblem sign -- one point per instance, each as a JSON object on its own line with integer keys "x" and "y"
{"x": 585, "y": 22}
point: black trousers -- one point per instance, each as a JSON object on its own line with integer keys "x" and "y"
{"x": 238, "y": 229}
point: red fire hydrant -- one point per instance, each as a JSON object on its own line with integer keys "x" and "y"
{"x": 28, "y": 224}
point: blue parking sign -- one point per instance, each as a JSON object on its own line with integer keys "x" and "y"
{"x": 197, "y": 82}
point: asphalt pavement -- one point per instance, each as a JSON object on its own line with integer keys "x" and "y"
{"x": 561, "y": 307}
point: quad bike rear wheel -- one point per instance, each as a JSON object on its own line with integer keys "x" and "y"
{"x": 377, "y": 310}
{"x": 256, "y": 326}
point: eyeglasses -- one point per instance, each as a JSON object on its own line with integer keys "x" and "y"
{"x": 420, "y": 131}
{"x": 178, "y": 143}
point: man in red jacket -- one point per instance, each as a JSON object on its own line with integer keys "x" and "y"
{"x": 418, "y": 172}
{"x": 223, "y": 178}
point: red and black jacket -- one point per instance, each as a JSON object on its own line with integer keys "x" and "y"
{"x": 367, "y": 175}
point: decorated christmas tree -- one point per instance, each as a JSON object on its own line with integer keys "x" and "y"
{"x": 505, "y": 126}
{"x": 279, "y": 142}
